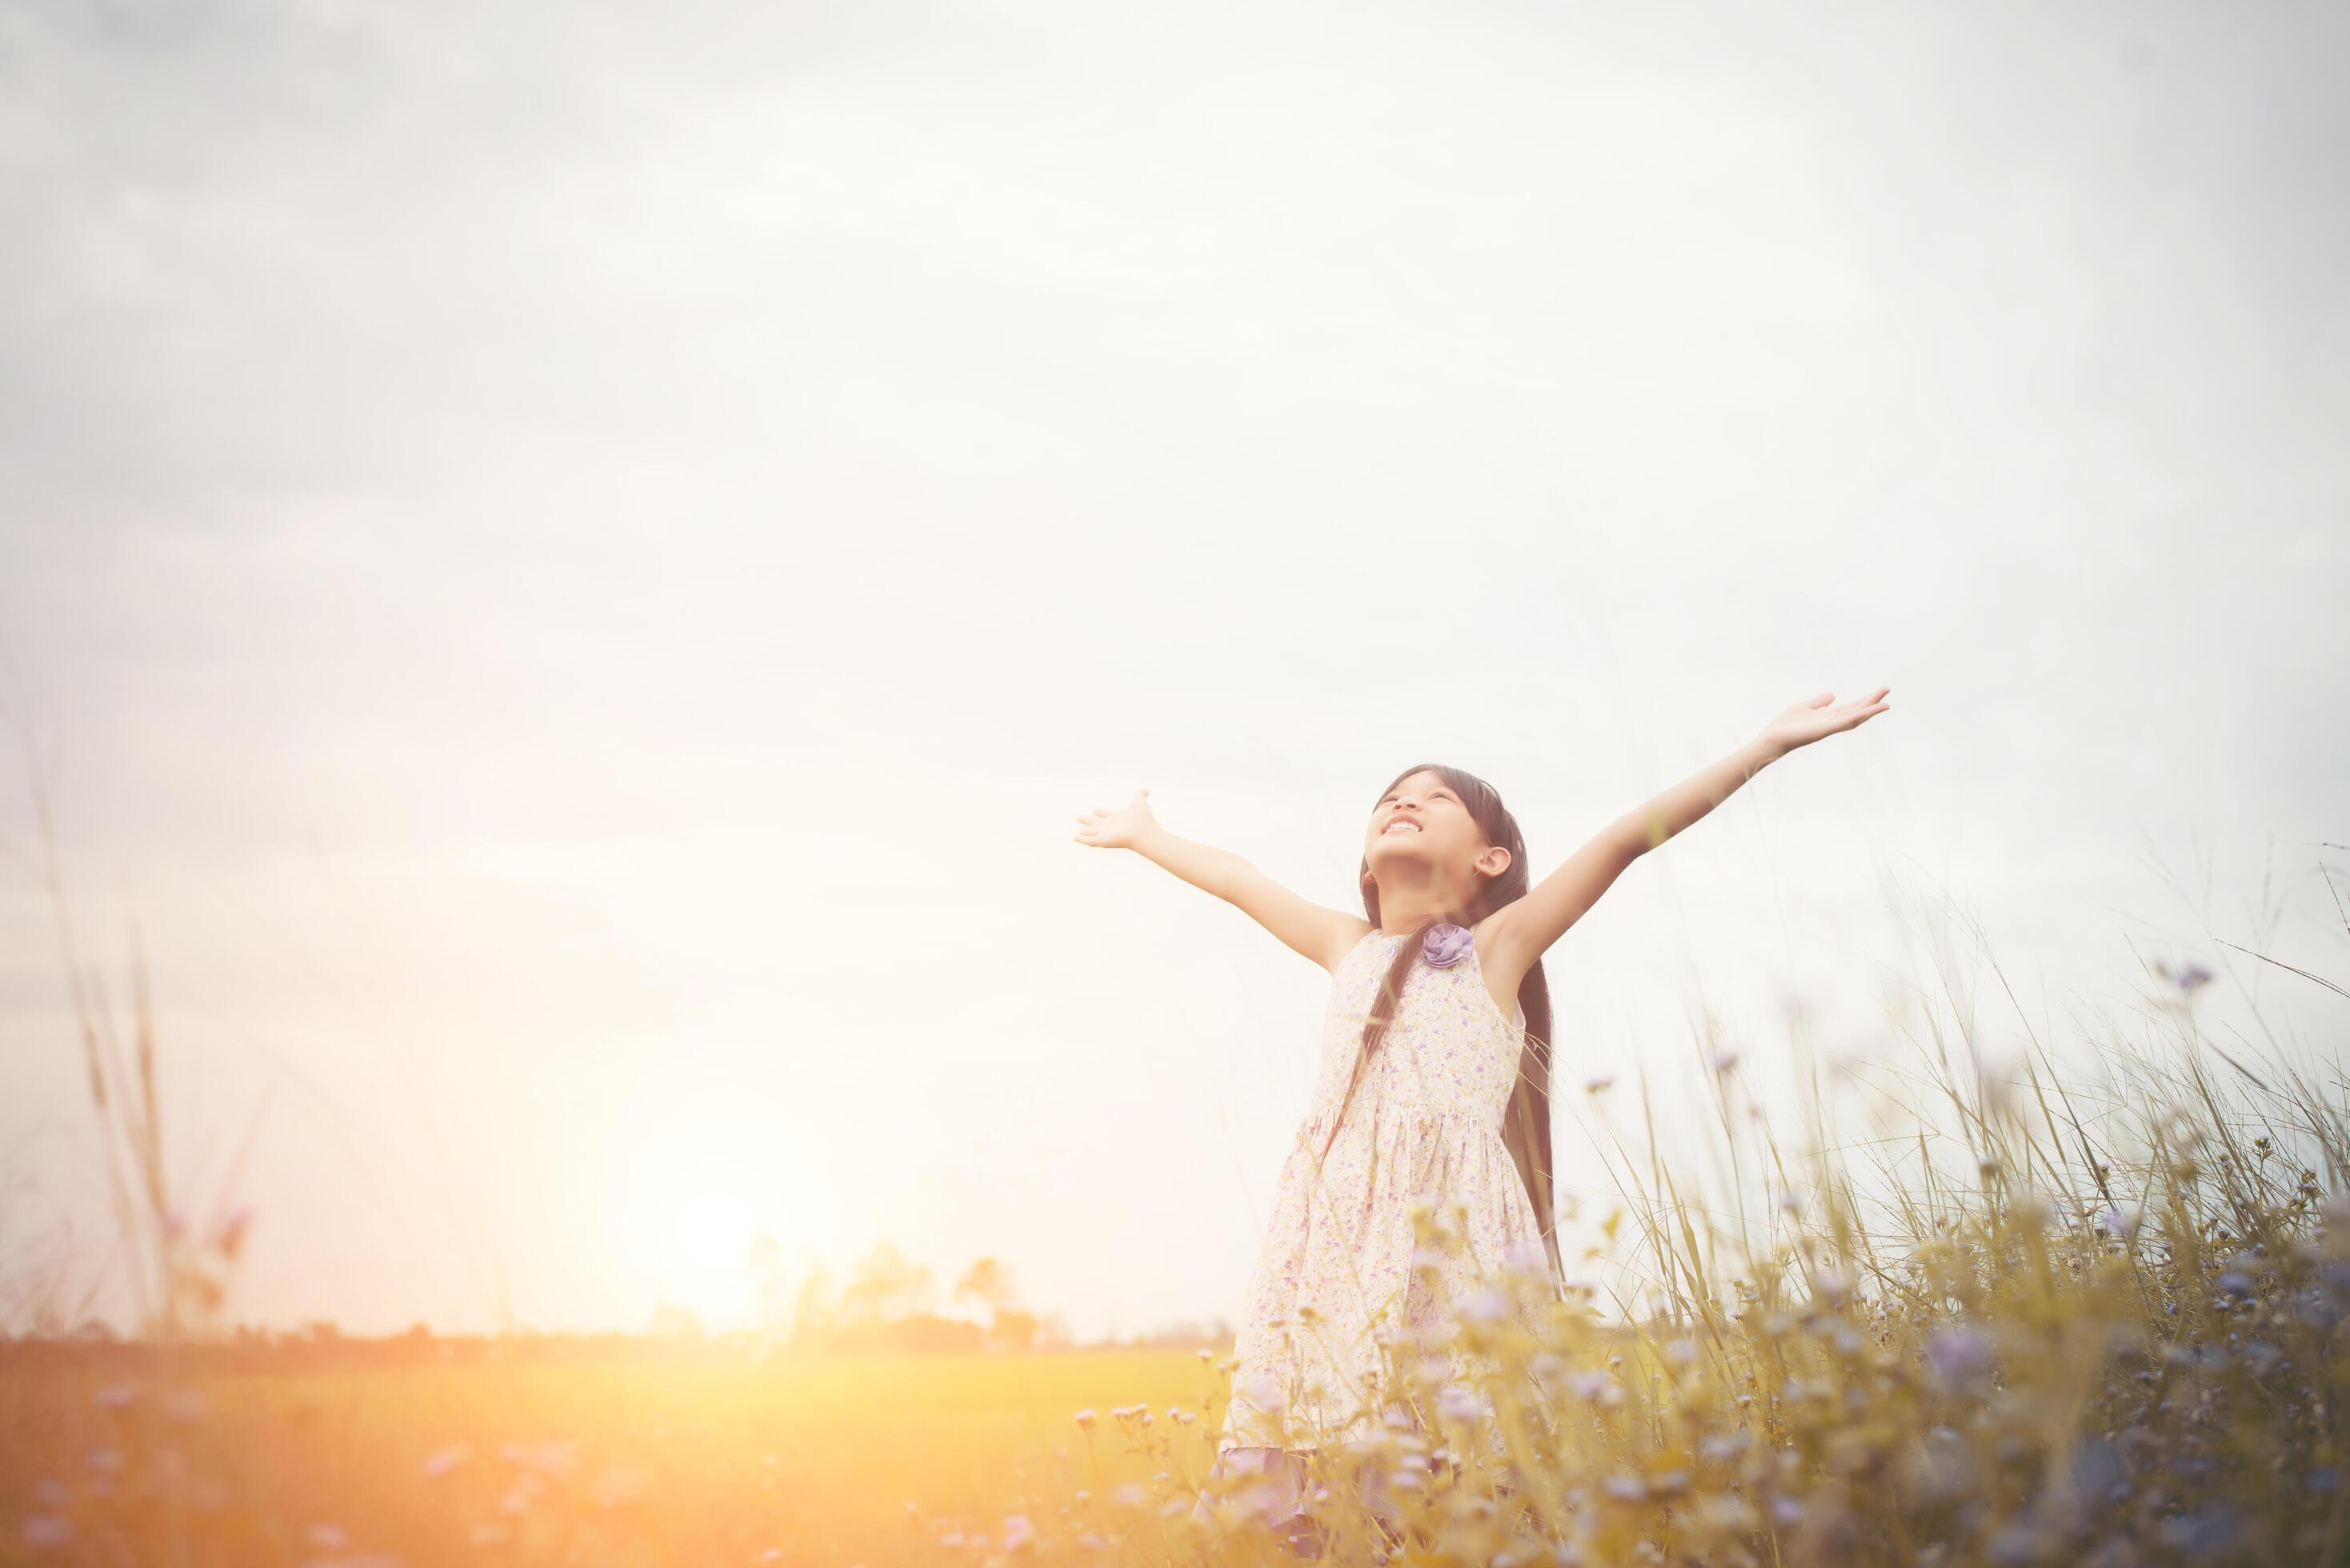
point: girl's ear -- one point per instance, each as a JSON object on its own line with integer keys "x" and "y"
{"x": 1493, "y": 861}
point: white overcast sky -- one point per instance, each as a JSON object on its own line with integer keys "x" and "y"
{"x": 574, "y": 563}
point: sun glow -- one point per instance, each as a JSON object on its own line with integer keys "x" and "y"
{"x": 702, "y": 1239}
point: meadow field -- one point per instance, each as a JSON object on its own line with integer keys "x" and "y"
{"x": 2087, "y": 1305}
{"x": 2099, "y": 1319}
{"x": 716, "y": 1459}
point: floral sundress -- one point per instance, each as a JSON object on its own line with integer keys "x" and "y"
{"x": 1336, "y": 1274}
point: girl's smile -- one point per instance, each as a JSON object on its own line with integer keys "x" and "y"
{"x": 1442, "y": 874}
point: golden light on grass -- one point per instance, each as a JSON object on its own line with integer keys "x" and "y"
{"x": 2087, "y": 1309}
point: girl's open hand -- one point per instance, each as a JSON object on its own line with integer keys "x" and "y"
{"x": 1107, "y": 829}
{"x": 1823, "y": 715}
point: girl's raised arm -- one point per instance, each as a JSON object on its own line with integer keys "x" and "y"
{"x": 1523, "y": 931}
{"x": 1321, "y": 933}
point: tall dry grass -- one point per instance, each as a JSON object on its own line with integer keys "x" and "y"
{"x": 2094, "y": 1316}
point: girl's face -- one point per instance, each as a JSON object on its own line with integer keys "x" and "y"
{"x": 1421, "y": 824}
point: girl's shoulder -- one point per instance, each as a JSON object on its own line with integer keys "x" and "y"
{"x": 1355, "y": 933}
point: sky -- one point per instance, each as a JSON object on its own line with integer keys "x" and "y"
{"x": 567, "y": 568}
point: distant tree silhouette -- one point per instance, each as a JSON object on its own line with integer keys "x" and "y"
{"x": 988, "y": 1282}
{"x": 770, "y": 1280}
{"x": 887, "y": 1305}
{"x": 815, "y": 1309}
{"x": 1013, "y": 1329}
{"x": 886, "y": 1285}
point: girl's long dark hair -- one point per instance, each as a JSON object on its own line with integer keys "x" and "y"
{"x": 1525, "y": 1124}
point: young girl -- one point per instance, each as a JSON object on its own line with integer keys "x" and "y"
{"x": 1434, "y": 1082}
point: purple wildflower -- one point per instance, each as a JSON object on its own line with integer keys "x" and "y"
{"x": 1958, "y": 1354}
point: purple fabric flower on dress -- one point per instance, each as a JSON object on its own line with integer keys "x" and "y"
{"x": 1446, "y": 945}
